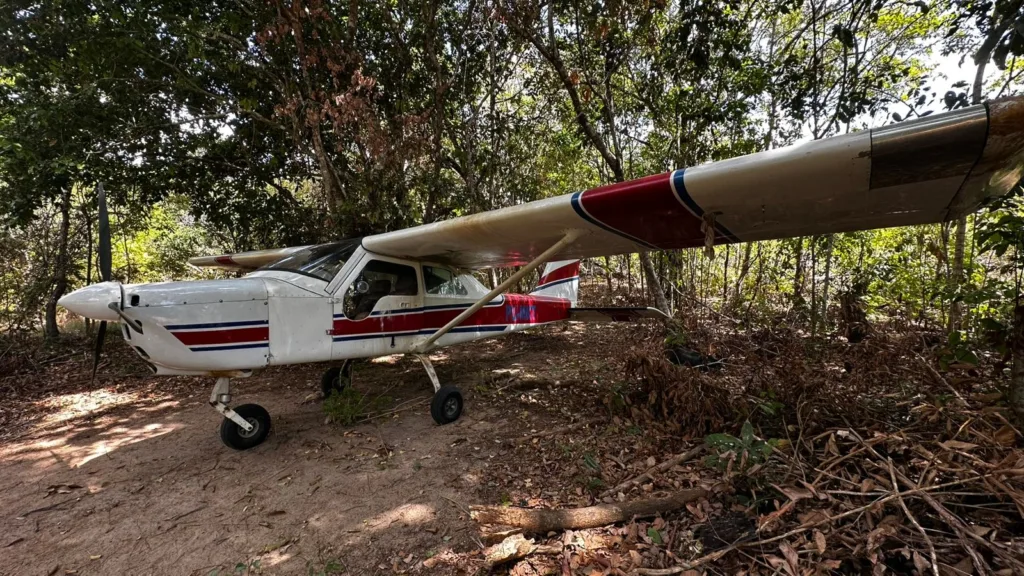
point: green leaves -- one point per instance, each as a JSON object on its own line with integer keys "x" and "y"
{"x": 737, "y": 454}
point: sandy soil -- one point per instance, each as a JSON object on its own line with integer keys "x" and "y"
{"x": 135, "y": 480}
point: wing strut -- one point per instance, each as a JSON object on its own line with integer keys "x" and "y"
{"x": 569, "y": 238}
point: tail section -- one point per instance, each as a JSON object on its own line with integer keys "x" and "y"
{"x": 560, "y": 279}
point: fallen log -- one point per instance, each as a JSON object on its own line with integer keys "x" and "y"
{"x": 649, "y": 474}
{"x": 540, "y": 521}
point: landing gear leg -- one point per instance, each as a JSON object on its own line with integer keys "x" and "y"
{"x": 243, "y": 427}
{"x": 446, "y": 407}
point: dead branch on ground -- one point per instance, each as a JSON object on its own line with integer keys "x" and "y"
{"x": 541, "y": 521}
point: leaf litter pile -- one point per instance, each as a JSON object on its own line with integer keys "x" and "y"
{"x": 787, "y": 457}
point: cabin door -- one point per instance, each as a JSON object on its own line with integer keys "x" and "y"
{"x": 379, "y": 309}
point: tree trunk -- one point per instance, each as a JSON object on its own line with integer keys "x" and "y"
{"x": 798, "y": 272}
{"x": 744, "y": 271}
{"x": 814, "y": 286}
{"x": 60, "y": 267}
{"x": 725, "y": 277}
{"x": 328, "y": 176}
{"x": 88, "y": 259}
{"x": 608, "y": 275}
{"x": 829, "y": 245}
{"x": 613, "y": 161}
{"x": 629, "y": 272}
{"x": 431, "y": 213}
{"x": 1016, "y": 399}
{"x": 956, "y": 277}
{"x": 652, "y": 280}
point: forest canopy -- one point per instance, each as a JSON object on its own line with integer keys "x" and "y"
{"x": 233, "y": 125}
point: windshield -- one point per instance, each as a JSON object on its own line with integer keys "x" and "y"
{"x": 322, "y": 261}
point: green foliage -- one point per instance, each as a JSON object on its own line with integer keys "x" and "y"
{"x": 958, "y": 350}
{"x": 350, "y": 406}
{"x": 737, "y": 454}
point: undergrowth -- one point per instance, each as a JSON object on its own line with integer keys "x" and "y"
{"x": 351, "y": 406}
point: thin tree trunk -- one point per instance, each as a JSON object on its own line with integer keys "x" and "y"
{"x": 1016, "y": 399}
{"x": 608, "y": 275}
{"x": 652, "y": 280}
{"x": 829, "y": 244}
{"x": 629, "y": 271}
{"x": 725, "y": 277}
{"x": 814, "y": 286}
{"x": 956, "y": 276}
{"x": 798, "y": 272}
{"x": 60, "y": 267}
{"x": 612, "y": 159}
{"x": 744, "y": 270}
{"x": 88, "y": 259}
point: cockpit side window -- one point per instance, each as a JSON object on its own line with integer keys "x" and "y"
{"x": 377, "y": 280}
{"x": 443, "y": 282}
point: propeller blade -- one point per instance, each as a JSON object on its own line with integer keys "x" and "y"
{"x": 104, "y": 232}
{"x": 99, "y": 347}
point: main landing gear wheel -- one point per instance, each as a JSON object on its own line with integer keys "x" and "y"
{"x": 234, "y": 436}
{"x": 446, "y": 407}
{"x": 336, "y": 378}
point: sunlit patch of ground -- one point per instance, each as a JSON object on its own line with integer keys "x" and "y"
{"x": 120, "y": 437}
{"x": 66, "y": 407}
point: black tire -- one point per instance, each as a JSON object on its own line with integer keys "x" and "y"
{"x": 234, "y": 437}
{"x": 335, "y": 379}
{"x": 446, "y": 407}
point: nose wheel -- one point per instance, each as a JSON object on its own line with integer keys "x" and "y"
{"x": 244, "y": 427}
{"x": 446, "y": 406}
{"x": 234, "y": 436}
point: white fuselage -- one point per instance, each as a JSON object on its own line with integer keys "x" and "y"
{"x": 270, "y": 317}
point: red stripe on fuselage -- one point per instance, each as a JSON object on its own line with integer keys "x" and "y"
{"x": 517, "y": 309}
{"x": 647, "y": 209}
{"x": 567, "y": 271}
{"x": 259, "y": 334}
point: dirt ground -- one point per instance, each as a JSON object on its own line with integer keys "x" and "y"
{"x": 131, "y": 477}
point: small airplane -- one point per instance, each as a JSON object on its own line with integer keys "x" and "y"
{"x": 411, "y": 291}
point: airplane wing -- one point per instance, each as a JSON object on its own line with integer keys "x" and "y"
{"x": 920, "y": 171}
{"x": 244, "y": 261}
